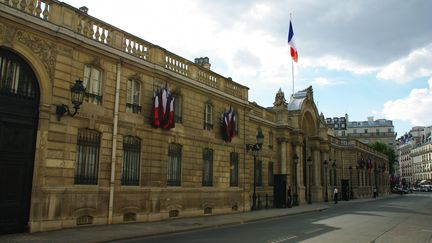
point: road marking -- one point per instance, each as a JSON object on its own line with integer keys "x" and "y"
{"x": 313, "y": 231}
{"x": 425, "y": 230}
{"x": 282, "y": 239}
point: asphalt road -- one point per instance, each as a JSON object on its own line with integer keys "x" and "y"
{"x": 407, "y": 218}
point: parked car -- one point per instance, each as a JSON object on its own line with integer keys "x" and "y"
{"x": 400, "y": 190}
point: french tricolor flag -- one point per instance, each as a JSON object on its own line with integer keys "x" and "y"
{"x": 291, "y": 42}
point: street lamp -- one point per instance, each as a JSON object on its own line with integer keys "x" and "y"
{"x": 376, "y": 183}
{"x": 77, "y": 92}
{"x": 309, "y": 163}
{"x": 255, "y": 148}
{"x": 295, "y": 196}
{"x": 350, "y": 171}
{"x": 325, "y": 180}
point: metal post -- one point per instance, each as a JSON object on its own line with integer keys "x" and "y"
{"x": 255, "y": 148}
{"x": 325, "y": 180}
{"x": 254, "y": 197}
{"x": 295, "y": 196}
{"x": 310, "y": 184}
{"x": 351, "y": 182}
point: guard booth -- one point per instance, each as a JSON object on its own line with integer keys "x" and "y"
{"x": 345, "y": 190}
{"x": 280, "y": 191}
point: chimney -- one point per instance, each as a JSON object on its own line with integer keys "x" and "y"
{"x": 203, "y": 61}
{"x": 84, "y": 9}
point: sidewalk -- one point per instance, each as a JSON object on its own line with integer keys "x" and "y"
{"x": 103, "y": 233}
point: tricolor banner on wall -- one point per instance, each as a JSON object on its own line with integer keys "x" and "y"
{"x": 228, "y": 124}
{"x": 163, "y": 109}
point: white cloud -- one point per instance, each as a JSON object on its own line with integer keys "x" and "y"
{"x": 417, "y": 64}
{"x": 414, "y": 109}
{"x": 337, "y": 63}
{"x": 324, "y": 82}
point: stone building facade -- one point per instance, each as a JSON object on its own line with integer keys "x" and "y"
{"x": 108, "y": 164}
{"x": 370, "y": 131}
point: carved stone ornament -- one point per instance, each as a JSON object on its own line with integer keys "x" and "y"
{"x": 280, "y": 100}
{"x": 7, "y": 35}
{"x": 45, "y": 50}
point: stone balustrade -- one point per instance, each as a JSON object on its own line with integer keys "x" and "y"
{"x": 78, "y": 21}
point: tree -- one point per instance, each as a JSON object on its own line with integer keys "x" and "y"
{"x": 385, "y": 149}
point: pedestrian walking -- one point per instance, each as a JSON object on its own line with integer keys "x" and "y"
{"x": 335, "y": 195}
{"x": 375, "y": 192}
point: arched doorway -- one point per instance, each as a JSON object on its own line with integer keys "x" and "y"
{"x": 19, "y": 102}
{"x": 308, "y": 126}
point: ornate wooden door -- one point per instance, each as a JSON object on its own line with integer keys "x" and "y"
{"x": 19, "y": 102}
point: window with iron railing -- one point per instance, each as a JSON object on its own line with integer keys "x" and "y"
{"x": 87, "y": 157}
{"x": 270, "y": 174}
{"x": 174, "y": 165}
{"x": 93, "y": 84}
{"x": 234, "y": 158}
{"x": 131, "y": 161}
{"x": 270, "y": 139}
{"x": 178, "y": 108}
{"x": 133, "y": 96}
{"x": 207, "y": 177}
{"x": 208, "y": 117}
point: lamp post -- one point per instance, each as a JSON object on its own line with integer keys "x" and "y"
{"x": 350, "y": 171}
{"x": 255, "y": 148}
{"x": 295, "y": 196}
{"x": 376, "y": 184}
{"x": 77, "y": 96}
{"x": 309, "y": 163}
{"x": 325, "y": 180}
{"x": 334, "y": 173}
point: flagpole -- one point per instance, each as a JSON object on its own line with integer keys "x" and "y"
{"x": 292, "y": 66}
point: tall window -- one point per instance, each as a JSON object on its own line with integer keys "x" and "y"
{"x": 208, "y": 117}
{"x": 93, "y": 84}
{"x": 270, "y": 173}
{"x": 207, "y": 178}
{"x": 258, "y": 171}
{"x": 87, "y": 158}
{"x": 270, "y": 141}
{"x": 174, "y": 164}
{"x": 133, "y": 99}
{"x": 178, "y": 108}
{"x": 234, "y": 157}
{"x": 131, "y": 161}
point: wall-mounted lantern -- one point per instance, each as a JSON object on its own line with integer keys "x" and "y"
{"x": 77, "y": 96}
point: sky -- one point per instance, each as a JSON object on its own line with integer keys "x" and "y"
{"x": 363, "y": 57}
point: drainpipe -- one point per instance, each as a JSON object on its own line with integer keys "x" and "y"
{"x": 114, "y": 145}
{"x": 244, "y": 156}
